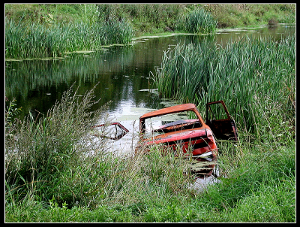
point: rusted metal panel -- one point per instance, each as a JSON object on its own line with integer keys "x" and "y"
{"x": 169, "y": 110}
{"x": 192, "y": 136}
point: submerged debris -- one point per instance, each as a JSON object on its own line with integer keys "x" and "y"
{"x": 180, "y": 129}
{"x": 194, "y": 137}
{"x": 114, "y": 131}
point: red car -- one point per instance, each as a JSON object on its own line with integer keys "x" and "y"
{"x": 182, "y": 126}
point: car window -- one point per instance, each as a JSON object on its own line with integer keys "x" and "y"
{"x": 216, "y": 112}
{"x": 169, "y": 122}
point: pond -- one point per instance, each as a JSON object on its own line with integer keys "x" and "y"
{"x": 124, "y": 74}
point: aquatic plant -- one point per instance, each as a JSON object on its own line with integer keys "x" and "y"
{"x": 254, "y": 77}
{"x": 40, "y": 40}
{"x": 197, "y": 21}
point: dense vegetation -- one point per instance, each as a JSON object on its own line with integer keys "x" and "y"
{"x": 252, "y": 75}
{"x": 51, "y": 176}
{"x": 151, "y": 18}
{"x": 256, "y": 77}
{"x": 50, "y": 30}
{"x": 239, "y": 15}
{"x": 36, "y": 40}
{"x": 105, "y": 26}
{"x": 56, "y": 172}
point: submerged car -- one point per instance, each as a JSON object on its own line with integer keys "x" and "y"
{"x": 182, "y": 128}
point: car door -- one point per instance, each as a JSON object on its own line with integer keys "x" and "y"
{"x": 220, "y": 121}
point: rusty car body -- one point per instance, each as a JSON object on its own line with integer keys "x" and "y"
{"x": 194, "y": 137}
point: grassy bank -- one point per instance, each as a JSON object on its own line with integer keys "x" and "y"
{"x": 51, "y": 176}
{"x": 259, "y": 188}
{"x": 151, "y": 18}
{"x": 52, "y": 29}
{"x": 256, "y": 77}
{"x": 49, "y": 36}
{"x": 36, "y": 40}
{"x": 240, "y": 15}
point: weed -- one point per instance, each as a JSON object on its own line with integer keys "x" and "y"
{"x": 240, "y": 15}
{"x": 38, "y": 40}
{"x": 51, "y": 175}
{"x": 197, "y": 21}
{"x": 49, "y": 30}
{"x": 251, "y": 75}
{"x": 43, "y": 148}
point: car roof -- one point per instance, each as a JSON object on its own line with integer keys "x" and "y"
{"x": 169, "y": 110}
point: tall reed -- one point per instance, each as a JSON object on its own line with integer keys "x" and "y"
{"x": 41, "y": 40}
{"x": 255, "y": 77}
{"x": 197, "y": 21}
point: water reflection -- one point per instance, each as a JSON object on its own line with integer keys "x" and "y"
{"x": 122, "y": 72}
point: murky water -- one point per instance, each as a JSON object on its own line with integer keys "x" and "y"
{"x": 123, "y": 73}
{"x": 124, "y": 77}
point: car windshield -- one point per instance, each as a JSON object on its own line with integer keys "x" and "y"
{"x": 171, "y": 122}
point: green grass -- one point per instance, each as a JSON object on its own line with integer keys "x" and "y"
{"x": 50, "y": 176}
{"x": 37, "y": 150}
{"x": 260, "y": 187}
{"x": 49, "y": 30}
{"x": 150, "y": 18}
{"x": 255, "y": 77}
{"x": 39, "y": 40}
{"x": 51, "y": 13}
{"x": 240, "y": 15}
{"x": 197, "y": 21}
